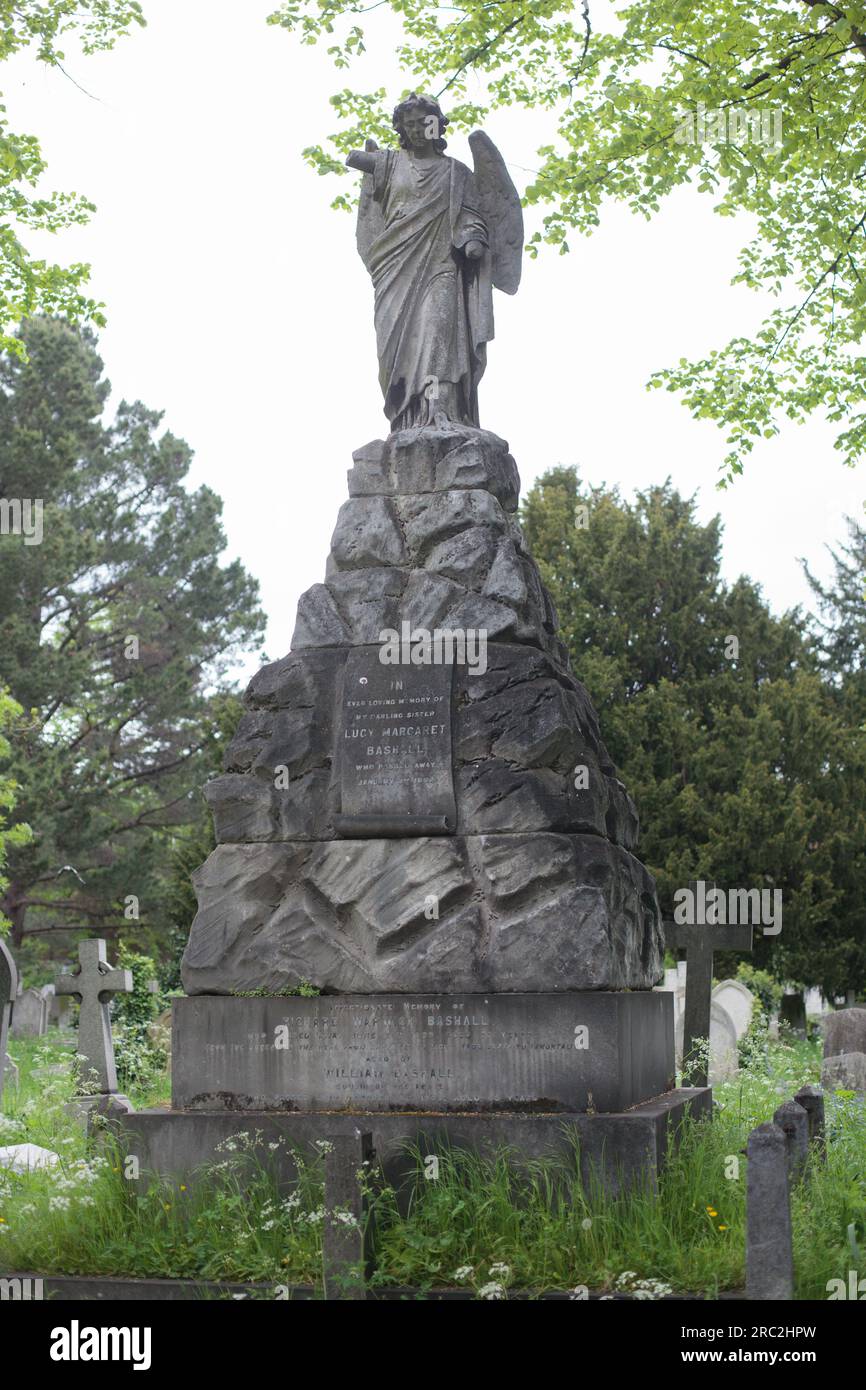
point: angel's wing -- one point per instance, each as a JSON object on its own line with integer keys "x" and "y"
{"x": 500, "y": 204}
{"x": 370, "y": 220}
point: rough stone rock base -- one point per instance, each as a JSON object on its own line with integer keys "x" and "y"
{"x": 385, "y": 1052}
{"x": 473, "y": 913}
{"x": 621, "y": 1151}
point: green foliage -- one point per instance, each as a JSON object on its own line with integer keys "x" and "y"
{"x": 762, "y": 984}
{"x": 746, "y": 764}
{"x": 30, "y": 286}
{"x": 10, "y": 835}
{"x": 118, "y": 634}
{"x": 478, "y": 1223}
{"x": 778, "y": 90}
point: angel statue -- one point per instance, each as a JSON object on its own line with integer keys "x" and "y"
{"x": 435, "y": 237}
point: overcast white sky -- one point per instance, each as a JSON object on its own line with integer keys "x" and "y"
{"x": 238, "y": 305}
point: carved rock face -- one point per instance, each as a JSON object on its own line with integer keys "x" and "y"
{"x": 536, "y": 888}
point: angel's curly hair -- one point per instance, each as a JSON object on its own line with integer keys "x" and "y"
{"x": 430, "y": 107}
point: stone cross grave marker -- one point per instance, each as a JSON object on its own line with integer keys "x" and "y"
{"x": 8, "y": 991}
{"x": 700, "y": 940}
{"x": 93, "y": 984}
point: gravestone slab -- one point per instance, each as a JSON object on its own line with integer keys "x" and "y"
{"x": 723, "y": 1044}
{"x": 769, "y": 1250}
{"x": 846, "y": 1072}
{"x": 93, "y": 985}
{"x": 792, "y": 1011}
{"x": 25, "y": 1158}
{"x": 8, "y": 993}
{"x": 844, "y": 1031}
{"x": 30, "y": 1015}
{"x": 596, "y": 1051}
{"x": 395, "y": 748}
{"x": 738, "y": 1002}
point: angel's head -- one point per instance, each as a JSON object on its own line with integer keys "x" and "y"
{"x": 419, "y": 122}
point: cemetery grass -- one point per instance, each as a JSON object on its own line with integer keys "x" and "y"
{"x": 482, "y": 1225}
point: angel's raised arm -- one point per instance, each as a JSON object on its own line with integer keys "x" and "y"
{"x": 364, "y": 159}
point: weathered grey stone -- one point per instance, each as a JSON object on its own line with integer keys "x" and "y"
{"x": 368, "y": 533}
{"x": 506, "y": 577}
{"x": 596, "y": 1051}
{"x": 93, "y": 985}
{"x": 769, "y": 1251}
{"x": 300, "y": 680}
{"x": 812, "y": 1100}
{"x": 623, "y": 1151}
{"x": 793, "y": 1121}
{"x": 427, "y": 598}
{"x": 345, "y": 1252}
{"x": 369, "y": 601}
{"x": 30, "y": 1015}
{"x": 466, "y": 558}
{"x": 424, "y": 915}
{"x": 318, "y": 623}
{"x": 844, "y": 1031}
{"x": 428, "y": 540}
{"x": 528, "y": 752}
{"x": 845, "y": 1072}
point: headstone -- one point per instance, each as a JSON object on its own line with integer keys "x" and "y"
{"x": 700, "y": 940}
{"x": 793, "y": 1121}
{"x": 724, "y": 1062}
{"x": 30, "y": 1015}
{"x": 94, "y": 983}
{"x": 846, "y": 1072}
{"x": 344, "y": 1238}
{"x": 792, "y": 1013}
{"x": 738, "y": 1003}
{"x": 769, "y": 1249}
{"x": 26, "y": 1158}
{"x": 812, "y": 1101}
{"x": 394, "y": 740}
{"x": 8, "y": 993}
{"x": 816, "y": 1004}
{"x": 844, "y": 1031}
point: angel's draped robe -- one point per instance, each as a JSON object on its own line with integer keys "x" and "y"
{"x": 433, "y": 306}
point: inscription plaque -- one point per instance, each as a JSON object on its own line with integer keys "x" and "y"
{"x": 394, "y": 749}
{"x": 600, "y": 1051}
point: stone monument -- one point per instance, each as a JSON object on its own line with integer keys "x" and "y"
{"x": 418, "y": 816}
{"x": 93, "y": 984}
{"x": 844, "y": 1065}
{"x": 29, "y": 1014}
